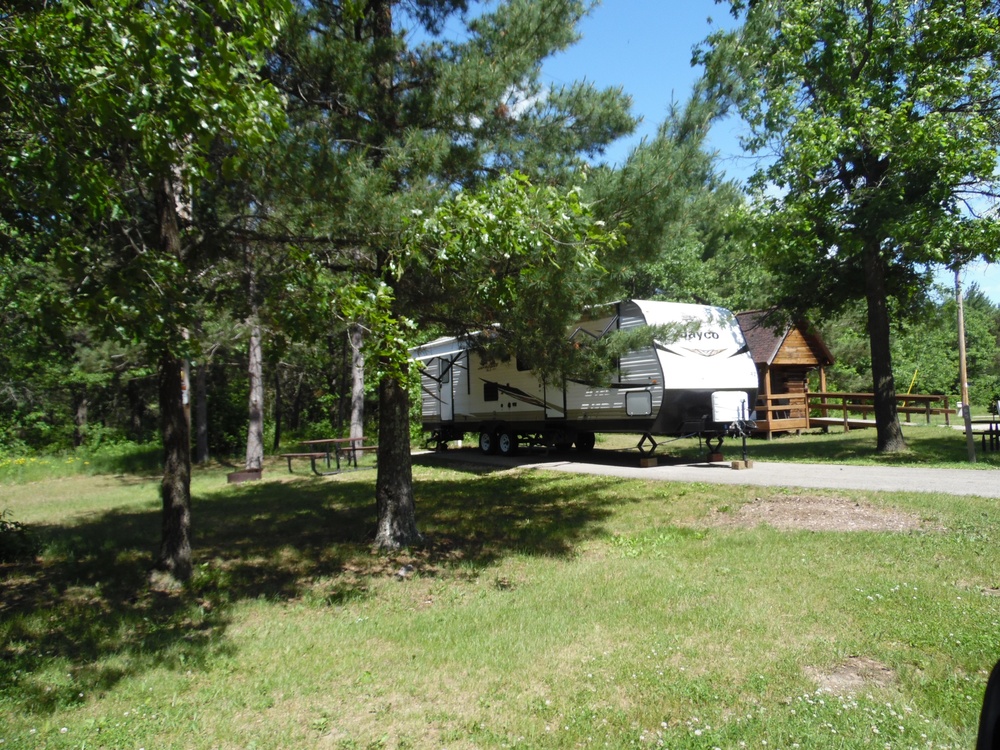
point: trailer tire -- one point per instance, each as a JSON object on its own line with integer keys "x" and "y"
{"x": 487, "y": 442}
{"x": 585, "y": 442}
{"x": 506, "y": 442}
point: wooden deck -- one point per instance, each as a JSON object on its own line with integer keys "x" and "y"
{"x": 791, "y": 412}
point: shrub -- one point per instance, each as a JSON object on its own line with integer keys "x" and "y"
{"x": 16, "y": 540}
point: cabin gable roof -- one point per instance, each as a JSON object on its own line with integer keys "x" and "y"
{"x": 796, "y": 344}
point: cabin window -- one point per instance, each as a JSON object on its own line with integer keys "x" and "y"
{"x": 491, "y": 392}
{"x": 638, "y": 404}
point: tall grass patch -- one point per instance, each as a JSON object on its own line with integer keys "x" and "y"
{"x": 107, "y": 458}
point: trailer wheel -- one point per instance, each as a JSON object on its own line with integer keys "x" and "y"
{"x": 585, "y": 441}
{"x": 487, "y": 444}
{"x": 507, "y": 442}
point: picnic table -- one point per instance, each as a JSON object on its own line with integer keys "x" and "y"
{"x": 332, "y": 451}
{"x": 990, "y": 430}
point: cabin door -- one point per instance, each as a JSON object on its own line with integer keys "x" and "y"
{"x": 555, "y": 401}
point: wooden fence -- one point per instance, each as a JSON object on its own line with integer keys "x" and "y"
{"x": 845, "y": 405}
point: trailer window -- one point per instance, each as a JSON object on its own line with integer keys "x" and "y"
{"x": 638, "y": 404}
{"x": 491, "y": 392}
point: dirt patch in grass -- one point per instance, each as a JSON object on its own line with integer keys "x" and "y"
{"x": 815, "y": 513}
{"x": 852, "y": 675}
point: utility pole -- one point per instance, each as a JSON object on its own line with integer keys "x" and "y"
{"x": 962, "y": 372}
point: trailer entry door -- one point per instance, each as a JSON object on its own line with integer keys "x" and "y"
{"x": 555, "y": 401}
{"x": 447, "y": 392}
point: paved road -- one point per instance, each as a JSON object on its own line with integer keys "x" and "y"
{"x": 979, "y": 482}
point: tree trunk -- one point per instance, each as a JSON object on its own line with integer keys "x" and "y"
{"x": 890, "y": 433}
{"x": 356, "y": 337}
{"x": 175, "y": 491}
{"x": 276, "y": 445}
{"x": 136, "y": 408}
{"x": 336, "y": 378}
{"x": 201, "y": 414}
{"x": 255, "y": 433}
{"x": 397, "y": 522}
{"x": 296, "y": 420}
{"x": 80, "y": 402}
{"x": 175, "y": 544}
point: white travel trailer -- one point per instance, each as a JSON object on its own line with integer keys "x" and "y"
{"x": 702, "y": 383}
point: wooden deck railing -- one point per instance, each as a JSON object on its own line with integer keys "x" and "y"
{"x": 784, "y": 412}
{"x": 787, "y": 412}
{"x": 844, "y": 405}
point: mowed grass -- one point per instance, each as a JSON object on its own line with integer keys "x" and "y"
{"x": 547, "y": 611}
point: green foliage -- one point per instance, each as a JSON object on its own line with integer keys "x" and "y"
{"x": 516, "y": 260}
{"x": 391, "y": 118}
{"x": 924, "y": 346}
{"x": 16, "y": 540}
{"x": 156, "y": 82}
{"x": 883, "y": 123}
{"x": 367, "y": 103}
{"x": 111, "y": 114}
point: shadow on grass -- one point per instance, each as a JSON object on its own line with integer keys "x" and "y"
{"x": 84, "y": 608}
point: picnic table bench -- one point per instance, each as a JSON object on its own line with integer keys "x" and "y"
{"x": 313, "y": 457}
{"x": 333, "y": 450}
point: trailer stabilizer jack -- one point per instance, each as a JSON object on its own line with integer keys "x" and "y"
{"x": 643, "y": 448}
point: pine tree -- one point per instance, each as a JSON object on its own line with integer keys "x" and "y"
{"x": 390, "y": 117}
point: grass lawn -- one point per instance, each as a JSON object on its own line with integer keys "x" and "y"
{"x": 547, "y": 611}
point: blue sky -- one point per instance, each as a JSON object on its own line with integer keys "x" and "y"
{"x": 645, "y": 46}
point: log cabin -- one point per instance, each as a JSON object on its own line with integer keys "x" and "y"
{"x": 785, "y": 355}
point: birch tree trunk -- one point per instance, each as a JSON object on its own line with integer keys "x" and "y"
{"x": 80, "y": 417}
{"x": 255, "y": 432}
{"x": 356, "y": 337}
{"x": 278, "y": 406}
{"x": 136, "y": 409}
{"x": 201, "y": 413}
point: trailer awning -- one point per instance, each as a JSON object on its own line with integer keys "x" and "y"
{"x": 444, "y": 347}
